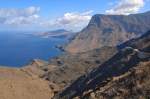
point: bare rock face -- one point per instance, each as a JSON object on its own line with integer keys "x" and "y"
{"x": 109, "y": 30}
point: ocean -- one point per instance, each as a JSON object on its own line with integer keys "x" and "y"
{"x": 17, "y": 49}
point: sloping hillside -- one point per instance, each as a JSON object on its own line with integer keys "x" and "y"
{"x": 67, "y": 68}
{"x": 18, "y": 84}
{"x": 123, "y": 62}
{"x": 134, "y": 84}
{"x": 141, "y": 43}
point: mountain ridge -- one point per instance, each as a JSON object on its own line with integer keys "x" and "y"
{"x": 56, "y": 33}
{"x": 109, "y": 30}
{"x": 124, "y": 61}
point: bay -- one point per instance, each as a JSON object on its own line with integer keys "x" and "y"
{"x": 19, "y": 48}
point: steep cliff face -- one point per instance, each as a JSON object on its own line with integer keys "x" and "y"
{"x": 119, "y": 66}
{"x": 109, "y": 30}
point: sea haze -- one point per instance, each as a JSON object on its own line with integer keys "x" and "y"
{"x": 19, "y": 48}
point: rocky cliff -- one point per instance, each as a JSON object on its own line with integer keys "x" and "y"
{"x": 109, "y": 30}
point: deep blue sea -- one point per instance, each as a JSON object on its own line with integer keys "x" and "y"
{"x": 19, "y": 48}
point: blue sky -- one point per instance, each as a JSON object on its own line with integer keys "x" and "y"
{"x": 55, "y": 14}
{"x": 58, "y": 7}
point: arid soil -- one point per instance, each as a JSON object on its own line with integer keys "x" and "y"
{"x": 18, "y": 84}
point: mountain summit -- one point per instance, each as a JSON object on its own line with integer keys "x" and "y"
{"x": 109, "y": 30}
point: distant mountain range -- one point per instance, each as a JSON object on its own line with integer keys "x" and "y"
{"x": 56, "y": 33}
{"x": 109, "y": 30}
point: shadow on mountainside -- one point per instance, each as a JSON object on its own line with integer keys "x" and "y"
{"x": 122, "y": 62}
